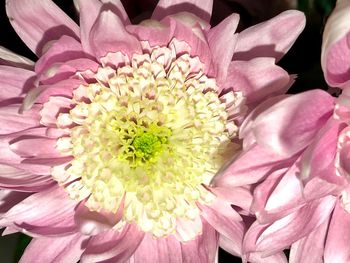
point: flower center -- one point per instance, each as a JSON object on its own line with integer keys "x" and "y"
{"x": 147, "y": 138}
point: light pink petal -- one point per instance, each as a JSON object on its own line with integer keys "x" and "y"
{"x": 15, "y": 82}
{"x": 278, "y": 195}
{"x": 202, "y": 9}
{"x": 11, "y": 121}
{"x": 92, "y": 223}
{"x": 272, "y": 38}
{"x": 251, "y": 166}
{"x": 20, "y": 180}
{"x": 113, "y": 245}
{"x": 64, "y": 49}
{"x": 218, "y": 37}
{"x": 39, "y": 21}
{"x": 226, "y": 244}
{"x": 89, "y": 12}
{"x": 319, "y": 158}
{"x": 258, "y": 79}
{"x": 47, "y": 213}
{"x": 35, "y": 147}
{"x": 282, "y": 127}
{"x": 9, "y": 58}
{"x": 154, "y": 250}
{"x": 257, "y": 257}
{"x": 9, "y": 198}
{"x": 335, "y": 56}
{"x": 52, "y": 108}
{"x": 310, "y": 248}
{"x": 108, "y": 34}
{"x": 337, "y": 244}
{"x": 226, "y": 223}
{"x": 283, "y": 232}
{"x": 203, "y": 248}
{"x": 67, "y": 249}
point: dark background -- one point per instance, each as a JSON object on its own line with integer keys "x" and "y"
{"x": 303, "y": 59}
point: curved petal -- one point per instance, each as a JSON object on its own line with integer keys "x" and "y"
{"x": 311, "y": 247}
{"x": 47, "y": 213}
{"x": 258, "y": 79}
{"x": 283, "y": 232}
{"x": 89, "y": 12}
{"x": 113, "y": 245}
{"x": 289, "y": 125}
{"x": 9, "y": 198}
{"x": 9, "y": 58}
{"x": 335, "y": 56}
{"x": 15, "y": 82}
{"x": 250, "y": 167}
{"x": 337, "y": 244}
{"x": 272, "y": 38}
{"x": 20, "y": 180}
{"x": 39, "y": 21}
{"x": 67, "y": 249}
{"x": 203, "y": 248}
{"x": 11, "y": 121}
{"x": 163, "y": 250}
{"x": 218, "y": 37}
{"x": 202, "y": 9}
{"x": 108, "y": 34}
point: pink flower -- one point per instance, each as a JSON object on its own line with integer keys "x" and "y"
{"x": 122, "y": 128}
{"x": 297, "y": 155}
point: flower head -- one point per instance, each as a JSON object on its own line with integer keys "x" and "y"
{"x": 123, "y": 127}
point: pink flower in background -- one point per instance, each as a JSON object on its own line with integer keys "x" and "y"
{"x": 297, "y": 150}
{"x": 110, "y": 140}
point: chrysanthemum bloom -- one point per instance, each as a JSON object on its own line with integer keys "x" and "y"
{"x": 110, "y": 140}
{"x": 302, "y": 198}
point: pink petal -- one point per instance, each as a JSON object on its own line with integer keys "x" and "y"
{"x": 278, "y": 195}
{"x": 89, "y": 12}
{"x": 39, "y": 21}
{"x": 282, "y": 233}
{"x": 92, "y": 223}
{"x": 9, "y": 198}
{"x": 108, "y": 34}
{"x": 203, "y": 248}
{"x": 251, "y": 166}
{"x": 219, "y": 36}
{"x": 113, "y": 245}
{"x": 11, "y": 121}
{"x": 272, "y": 38}
{"x": 258, "y": 79}
{"x": 67, "y": 249}
{"x": 310, "y": 248}
{"x": 52, "y": 108}
{"x": 275, "y": 258}
{"x": 47, "y": 213}
{"x": 9, "y": 58}
{"x": 319, "y": 158}
{"x": 337, "y": 244}
{"x": 202, "y": 9}
{"x": 226, "y": 223}
{"x": 35, "y": 147}
{"x": 335, "y": 56}
{"x": 163, "y": 250}
{"x": 64, "y": 49}
{"x": 15, "y": 82}
{"x": 289, "y": 125}
{"x": 20, "y": 180}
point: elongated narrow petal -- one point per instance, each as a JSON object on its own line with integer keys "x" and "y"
{"x": 219, "y": 36}
{"x": 202, "y": 9}
{"x": 335, "y": 56}
{"x": 39, "y": 21}
{"x": 272, "y": 38}
{"x": 338, "y": 238}
{"x": 66, "y": 249}
{"x": 310, "y": 248}
{"x": 8, "y": 58}
{"x": 9, "y": 198}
